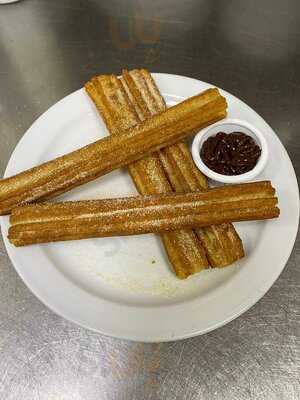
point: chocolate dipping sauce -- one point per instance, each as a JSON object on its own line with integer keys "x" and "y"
{"x": 230, "y": 153}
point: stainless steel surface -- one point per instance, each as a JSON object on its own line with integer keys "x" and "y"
{"x": 50, "y": 48}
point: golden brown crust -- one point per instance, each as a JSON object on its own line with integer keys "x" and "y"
{"x": 113, "y": 101}
{"x": 221, "y": 243}
{"x": 83, "y": 165}
{"x": 143, "y": 214}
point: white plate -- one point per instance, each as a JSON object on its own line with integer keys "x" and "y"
{"x": 123, "y": 287}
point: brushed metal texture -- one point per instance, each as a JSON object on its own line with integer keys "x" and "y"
{"x": 49, "y": 49}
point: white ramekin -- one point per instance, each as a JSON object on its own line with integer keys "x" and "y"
{"x": 228, "y": 126}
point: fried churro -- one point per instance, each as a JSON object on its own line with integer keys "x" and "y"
{"x": 183, "y": 247}
{"x": 221, "y": 243}
{"x": 96, "y": 159}
{"x": 42, "y": 223}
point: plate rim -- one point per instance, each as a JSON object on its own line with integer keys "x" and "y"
{"x": 195, "y": 332}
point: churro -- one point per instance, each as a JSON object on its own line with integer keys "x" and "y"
{"x": 222, "y": 244}
{"x": 96, "y": 159}
{"x": 42, "y": 223}
{"x": 183, "y": 247}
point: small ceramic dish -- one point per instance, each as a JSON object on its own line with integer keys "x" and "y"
{"x": 229, "y": 126}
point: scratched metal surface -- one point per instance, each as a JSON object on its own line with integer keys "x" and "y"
{"x": 50, "y": 48}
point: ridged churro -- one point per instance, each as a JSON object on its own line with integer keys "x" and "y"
{"x": 221, "y": 243}
{"x": 142, "y": 214}
{"x": 96, "y": 159}
{"x": 183, "y": 248}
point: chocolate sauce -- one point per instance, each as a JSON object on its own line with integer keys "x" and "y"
{"x": 230, "y": 153}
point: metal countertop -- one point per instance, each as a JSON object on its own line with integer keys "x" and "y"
{"x": 48, "y": 49}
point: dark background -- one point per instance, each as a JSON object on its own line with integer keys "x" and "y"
{"x": 49, "y": 49}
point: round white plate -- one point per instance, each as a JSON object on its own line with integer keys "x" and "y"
{"x": 124, "y": 287}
